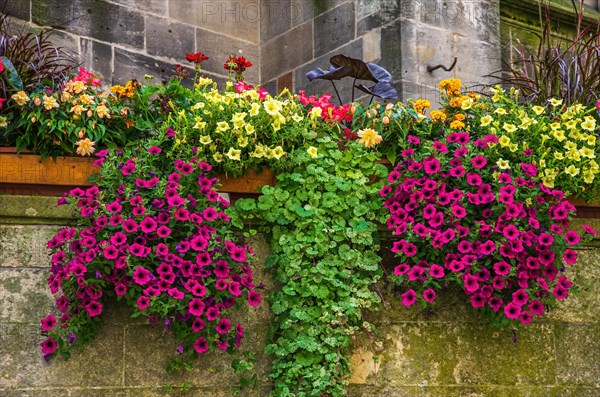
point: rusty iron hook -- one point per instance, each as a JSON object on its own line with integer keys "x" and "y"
{"x": 436, "y": 67}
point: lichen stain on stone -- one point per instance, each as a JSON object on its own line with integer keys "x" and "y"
{"x": 362, "y": 365}
{"x": 31, "y": 212}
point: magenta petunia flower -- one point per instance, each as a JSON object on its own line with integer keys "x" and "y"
{"x": 163, "y": 231}
{"x": 495, "y": 303}
{"x": 49, "y": 346}
{"x": 94, "y": 308}
{"x": 254, "y": 298}
{"x": 143, "y": 302}
{"x": 478, "y": 161}
{"x": 471, "y": 283}
{"x": 572, "y": 238}
{"x": 560, "y": 292}
{"x": 409, "y": 297}
{"x": 570, "y": 256}
{"x": 48, "y": 322}
{"x": 536, "y": 307}
{"x": 141, "y": 275}
{"x": 429, "y": 295}
{"x": 431, "y": 165}
{"x": 589, "y": 229}
{"x": 512, "y": 311}
{"x": 148, "y": 224}
{"x": 477, "y": 300}
{"x": 196, "y": 307}
{"x": 223, "y": 326}
{"x": 201, "y": 345}
{"x": 436, "y": 271}
{"x": 525, "y": 317}
{"x": 154, "y": 150}
{"x": 520, "y": 297}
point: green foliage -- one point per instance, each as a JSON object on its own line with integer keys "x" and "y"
{"x": 322, "y": 222}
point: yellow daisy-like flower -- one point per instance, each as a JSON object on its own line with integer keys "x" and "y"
{"x": 3, "y": 122}
{"x": 198, "y": 106}
{"x": 555, "y": 126}
{"x": 538, "y": 110}
{"x": 591, "y": 140}
{"x": 233, "y": 154}
{"x": 437, "y": 115}
{"x": 509, "y": 127}
{"x": 504, "y": 141}
{"x": 558, "y": 155}
{"x": 451, "y": 86}
{"x": 513, "y": 147}
{"x": 204, "y": 82}
{"x": 573, "y": 155}
{"x": 589, "y": 124}
{"x": 369, "y": 137}
{"x": 571, "y": 124}
{"x": 572, "y": 170}
{"x": 570, "y": 145}
{"x": 222, "y": 126}
{"x": 259, "y": 152}
{"x": 297, "y": 118}
{"x": 85, "y": 147}
{"x": 312, "y": 152}
{"x": 503, "y": 164}
{"x": 486, "y": 120}
{"x": 249, "y": 129}
{"x": 20, "y": 98}
{"x": 555, "y": 102}
{"x": 205, "y": 139}
{"x": 238, "y": 117}
{"x": 218, "y": 157}
{"x": 500, "y": 111}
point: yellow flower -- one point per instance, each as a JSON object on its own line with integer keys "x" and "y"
{"x": 538, "y": 110}
{"x": 222, "y": 126}
{"x": 509, "y": 127}
{"x": 569, "y": 145}
{"x": 369, "y": 137}
{"x": 312, "y": 152}
{"x": 242, "y": 141}
{"x": 591, "y": 140}
{"x": 437, "y": 115}
{"x": 233, "y": 154}
{"x": 315, "y": 113}
{"x": 197, "y": 106}
{"x": 513, "y": 147}
{"x": 102, "y": 111}
{"x": 422, "y": 104}
{"x": 544, "y": 138}
{"x": 218, "y": 157}
{"x": 204, "y": 82}
{"x": 50, "y": 102}
{"x": 559, "y": 135}
{"x": 486, "y": 120}
{"x": 297, "y": 118}
{"x": 254, "y": 109}
{"x": 504, "y": 141}
{"x": 466, "y": 104}
{"x": 572, "y": 170}
{"x": 593, "y": 165}
{"x": 588, "y": 177}
{"x": 278, "y": 152}
{"x": 85, "y": 147}
{"x": 20, "y": 98}
{"x": 571, "y": 124}
{"x": 238, "y": 117}
{"x": 457, "y": 125}
{"x": 272, "y": 107}
{"x": 205, "y": 139}
{"x": 249, "y": 129}
{"x": 558, "y": 155}
{"x": 276, "y": 125}
{"x": 3, "y": 122}
{"x": 587, "y": 152}
{"x": 500, "y": 111}
{"x": 502, "y": 164}
{"x": 259, "y": 151}
{"x": 589, "y": 124}
{"x": 452, "y": 86}
{"x": 86, "y": 99}
{"x": 555, "y": 126}
{"x": 574, "y": 155}
{"x": 65, "y": 96}
{"x": 548, "y": 181}
{"x": 555, "y": 102}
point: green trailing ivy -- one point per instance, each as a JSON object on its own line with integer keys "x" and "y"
{"x": 322, "y": 223}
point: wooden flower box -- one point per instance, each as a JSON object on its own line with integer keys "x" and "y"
{"x": 27, "y": 174}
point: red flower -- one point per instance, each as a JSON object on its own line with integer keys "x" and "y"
{"x": 196, "y": 58}
{"x": 597, "y": 103}
{"x": 237, "y": 64}
{"x": 1, "y": 66}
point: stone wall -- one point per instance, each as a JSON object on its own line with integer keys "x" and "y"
{"x": 124, "y": 39}
{"x": 447, "y": 352}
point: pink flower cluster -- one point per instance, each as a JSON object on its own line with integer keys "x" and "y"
{"x": 498, "y": 233}
{"x": 330, "y": 112}
{"x": 157, "y": 243}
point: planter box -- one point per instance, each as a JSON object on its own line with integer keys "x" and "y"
{"x": 27, "y": 174}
